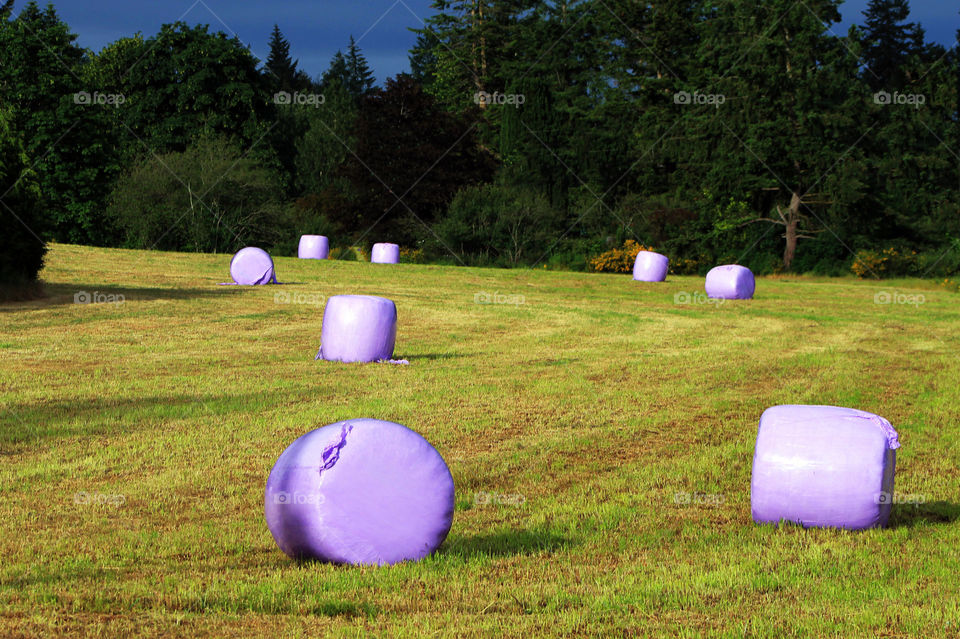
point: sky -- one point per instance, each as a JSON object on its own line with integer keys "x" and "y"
{"x": 316, "y": 29}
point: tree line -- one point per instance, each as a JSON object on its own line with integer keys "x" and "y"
{"x": 527, "y": 132}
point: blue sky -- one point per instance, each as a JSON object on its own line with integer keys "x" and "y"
{"x": 316, "y": 29}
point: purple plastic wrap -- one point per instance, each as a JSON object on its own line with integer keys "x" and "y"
{"x": 730, "y": 282}
{"x": 358, "y": 328}
{"x": 650, "y": 267}
{"x": 362, "y": 491}
{"x": 252, "y": 266}
{"x": 313, "y": 247}
{"x": 385, "y": 254}
{"x": 823, "y": 466}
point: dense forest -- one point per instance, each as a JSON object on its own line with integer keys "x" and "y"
{"x": 527, "y": 133}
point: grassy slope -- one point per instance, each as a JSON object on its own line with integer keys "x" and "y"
{"x": 598, "y": 400}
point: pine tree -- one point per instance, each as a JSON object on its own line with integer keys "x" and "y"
{"x": 888, "y": 42}
{"x": 350, "y": 72}
{"x": 423, "y": 59}
{"x": 337, "y": 74}
{"x": 782, "y": 147}
{"x": 361, "y": 79}
{"x": 281, "y": 69}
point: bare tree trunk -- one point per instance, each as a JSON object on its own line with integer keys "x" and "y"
{"x": 478, "y": 49}
{"x": 483, "y": 47}
{"x": 791, "y": 223}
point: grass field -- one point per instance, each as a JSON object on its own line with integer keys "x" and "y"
{"x": 137, "y": 435}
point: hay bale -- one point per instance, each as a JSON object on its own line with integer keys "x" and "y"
{"x": 252, "y": 266}
{"x": 361, "y": 491}
{"x": 650, "y": 267}
{"x": 358, "y": 328}
{"x": 385, "y": 254}
{"x": 730, "y": 282}
{"x": 823, "y": 466}
{"x": 313, "y": 247}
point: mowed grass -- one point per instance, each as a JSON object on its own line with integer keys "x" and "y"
{"x": 579, "y": 416}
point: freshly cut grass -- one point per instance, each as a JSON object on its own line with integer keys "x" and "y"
{"x": 600, "y": 436}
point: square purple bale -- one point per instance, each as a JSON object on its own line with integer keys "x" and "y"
{"x": 313, "y": 247}
{"x": 358, "y": 328}
{"x": 385, "y": 253}
{"x": 650, "y": 267}
{"x": 730, "y": 282}
{"x": 823, "y": 466}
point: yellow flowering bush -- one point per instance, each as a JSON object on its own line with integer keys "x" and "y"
{"x": 618, "y": 260}
{"x": 412, "y": 256}
{"x": 886, "y": 263}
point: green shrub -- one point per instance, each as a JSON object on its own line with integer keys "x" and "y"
{"x": 349, "y": 254}
{"x": 210, "y": 198}
{"x": 21, "y": 249}
{"x": 412, "y": 256}
{"x": 502, "y": 225}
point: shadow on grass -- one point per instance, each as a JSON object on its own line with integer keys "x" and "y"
{"x": 435, "y": 356}
{"x": 504, "y": 544}
{"x": 68, "y": 294}
{"x": 934, "y": 512}
{"x": 34, "y": 421}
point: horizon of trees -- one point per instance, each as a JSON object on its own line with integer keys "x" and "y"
{"x": 526, "y": 132}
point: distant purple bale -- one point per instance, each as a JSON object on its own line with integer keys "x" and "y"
{"x": 358, "y": 328}
{"x": 730, "y": 282}
{"x": 313, "y": 247}
{"x": 252, "y": 266}
{"x": 823, "y": 466}
{"x": 385, "y": 254}
{"x": 361, "y": 491}
{"x": 650, "y": 267}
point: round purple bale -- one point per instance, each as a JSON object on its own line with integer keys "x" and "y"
{"x": 650, "y": 267}
{"x": 361, "y": 491}
{"x": 823, "y": 466}
{"x": 313, "y": 247}
{"x": 358, "y": 328}
{"x": 252, "y": 266}
{"x": 385, "y": 254}
{"x": 730, "y": 282}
